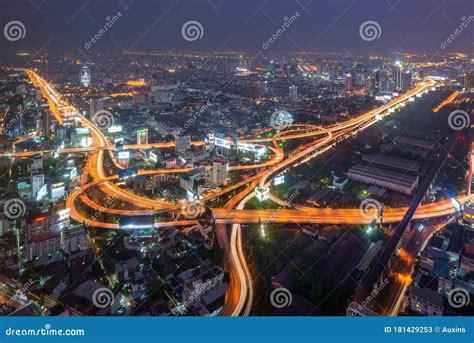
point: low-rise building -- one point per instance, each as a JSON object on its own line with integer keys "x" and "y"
{"x": 424, "y": 301}
{"x": 383, "y": 178}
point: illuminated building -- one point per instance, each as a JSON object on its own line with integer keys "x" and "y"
{"x": 218, "y": 174}
{"x": 85, "y": 76}
{"x": 407, "y": 80}
{"x": 4, "y": 224}
{"x": 262, "y": 193}
{"x": 62, "y": 218}
{"x": 349, "y": 82}
{"x": 398, "y": 78}
{"x": 24, "y": 190}
{"x": 43, "y": 245}
{"x": 468, "y": 213}
{"x": 46, "y": 127}
{"x": 468, "y": 82}
{"x": 37, "y": 165}
{"x": 142, "y": 136}
{"x": 37, "y": 183}
{"x": 59, "y": 133}
{"x": 37, "y": 225}
{"x": 424, "y": 301}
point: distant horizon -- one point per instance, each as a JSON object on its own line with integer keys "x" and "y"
{"x": 253, "y": 26}
{"x": 230, "y": 52}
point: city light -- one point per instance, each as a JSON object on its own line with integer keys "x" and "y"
{"x": 266, "y": 174}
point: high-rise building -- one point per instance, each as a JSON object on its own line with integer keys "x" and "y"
{"x": 183, "y": 143}
{"x": 293, "y": 90}
{"x": 37, "y": 225}
{"x": 57, "y": 191}
{"x": 377, "y": 77}
{"x": 59, "y": 133}
{"x": 349, "y": 82}
{"x": 37, "y": 182}
{"x": 142, "y": 136}
{"x": 95, "y": 105}
{"x": 85, "y": 76}
{"x": 61, "y": 218}
{"x": 219, "y": 171}
{"x": 398, "y": 78}
{"x": 406, "y": 80}
{"x": 37, "y": 165}
{"x": 46, "y": 126}
{"x": 74, "y": 239}
{"x": 469, "y": 82}
{"x": 43, "y": 245}
{"x": 4, "y": 224}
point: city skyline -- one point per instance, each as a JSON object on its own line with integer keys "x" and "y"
{"x": 237, "y": 158}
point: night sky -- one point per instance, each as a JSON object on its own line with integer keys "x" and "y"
{"x": 418, "y": 26}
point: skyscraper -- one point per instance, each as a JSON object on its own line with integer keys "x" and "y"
{"x": 398, "y": 75}
{"x": 85, "y": 76}
{"x": 46, "y": 126}
{"x": 406, "y": 80}
{"x": 37, "y": 182}
{"x": 349, "y": 82}
{"x": 59, "y": 133}
{"x": 468, "y": 82}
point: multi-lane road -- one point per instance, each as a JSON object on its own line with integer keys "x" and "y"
{"x": 240, "y": 294}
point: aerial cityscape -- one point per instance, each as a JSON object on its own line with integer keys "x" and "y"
{"x": 236, "y": 158}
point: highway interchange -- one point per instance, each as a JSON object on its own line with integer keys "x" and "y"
{"x": 240, "y": 294}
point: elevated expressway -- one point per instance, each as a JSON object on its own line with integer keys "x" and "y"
{"x": 240, "y": 294}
